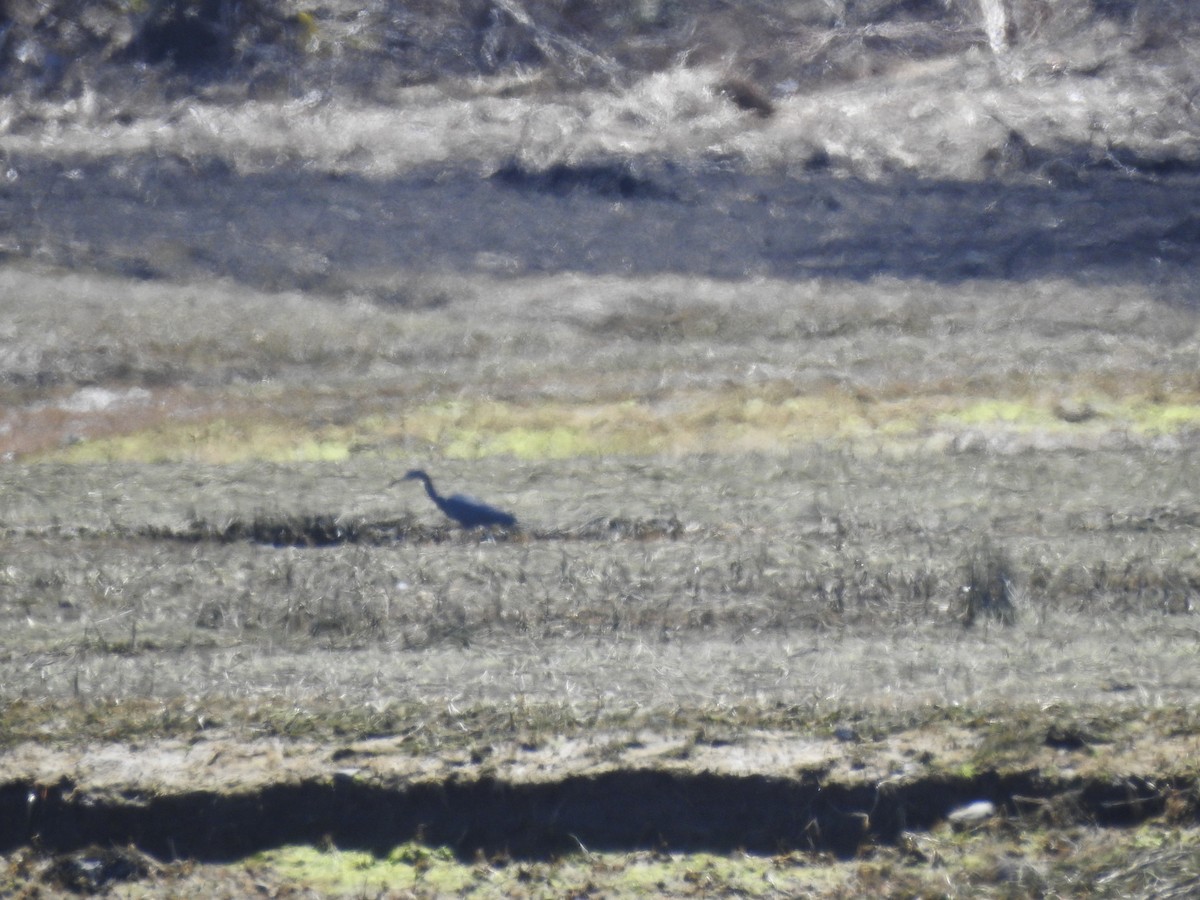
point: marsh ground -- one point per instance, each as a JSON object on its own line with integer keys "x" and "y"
{"x": 854, "y": 447}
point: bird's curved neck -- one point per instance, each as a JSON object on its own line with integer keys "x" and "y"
{"x": 430, "y": 490}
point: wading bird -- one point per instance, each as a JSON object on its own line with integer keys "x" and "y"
{"x": 466, "y": 511}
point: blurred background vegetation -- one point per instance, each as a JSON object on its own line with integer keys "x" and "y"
{"x": 273, "y": 48}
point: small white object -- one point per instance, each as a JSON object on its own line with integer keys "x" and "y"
{"x": 972, "y": 813}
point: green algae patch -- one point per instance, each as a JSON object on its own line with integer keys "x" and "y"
{"x": 701, "y": 422}
{"x": 1074, "y": 414}
{"x": 1021, "y": 414}
{"x": 1008, "y": 412}
{"x": 529, "y": 443}
{"x": 768, "y": 418}
{"x": 429, "y": 871}
{"x": 1165, "y": 418}
{"x": 218, "y": 441}
{"x": 545, "y": 431}
{"x": 408, "y": 867}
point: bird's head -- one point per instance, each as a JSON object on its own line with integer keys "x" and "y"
{"x": 412, "y": 475}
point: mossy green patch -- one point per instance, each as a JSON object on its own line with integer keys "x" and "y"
{"x": 1020, "y": 414}
{"x": 436, "y": 872}
{"x": 1130, "y": 414}
{"x": 976, "y": 856}
{"x": 220, "y": 440}
{"x": 1161, "y": 418}
{"x": 408, "y": 867}
{"x": 733, "y": 420}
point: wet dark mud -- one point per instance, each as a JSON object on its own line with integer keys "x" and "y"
{"x": 620, "y": 810}
{"x": 151, "y": 217}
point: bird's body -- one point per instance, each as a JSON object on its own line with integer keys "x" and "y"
{"x": 466, "y": 511}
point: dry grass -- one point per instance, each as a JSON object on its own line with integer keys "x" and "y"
{"x": 757, "y": 510}
{"x": 1074, "y": 83}
{"x": 990, "y": 587}
{"x": 567, "y": 366}
{"x": 776, "y": 579}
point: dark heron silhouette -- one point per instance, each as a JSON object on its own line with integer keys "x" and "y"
{"x": 466, "y": 511}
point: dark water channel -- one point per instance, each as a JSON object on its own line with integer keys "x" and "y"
{"x": 620, "y": 810}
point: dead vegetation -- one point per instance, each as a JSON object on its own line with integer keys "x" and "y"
{"x": 808, "y": 42}
{"x": 797, "y": 335}
{"x": 1013, "y": 89}
{"x": 990, "y": 589}
{"x": 793, "y": 549}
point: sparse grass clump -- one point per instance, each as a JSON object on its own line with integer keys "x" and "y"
{"x": 990, "y": 589}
